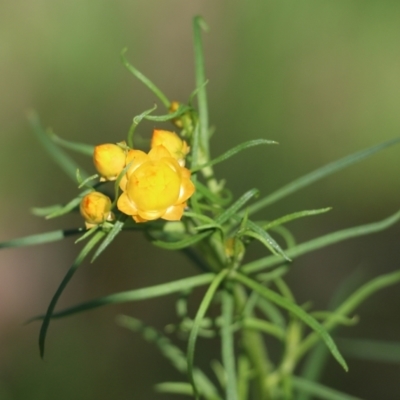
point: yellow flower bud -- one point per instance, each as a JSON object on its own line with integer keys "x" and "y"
{"x": 156, "y": 186}
{"x": 95, "y": 208}
{"x": 172, "y": 108}
{"x": 109, "y": 160}
{"x": 172, "y": 142}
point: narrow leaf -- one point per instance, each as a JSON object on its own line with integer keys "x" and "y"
{"x": 136, "y": 295}
{"x": 321, "y": 391}
{"x": 265, "y": 238}
{"x": 296, "y": 215}
{"x": 181, "y": 244}
{"x": 66, "y": 163}
{"x": 213, "y": 198}
{"x": 71, "y": 205}
{"x": 175, "y": 387}
{"x": 232, "y": 152}
{"x": 115, "y": 230}
{"x": 352, "y": 302}
{"x": 46, "y": 320}
{"x": 236, "y": 206}
{"x": 172, "y": 353}
{"x": 371, "y": 350}
{"x": 323, "y": 241}
{"x": 44, "y": 211}
{"x": 205, "y": 303}
{"x": 146, "y": 81}
{"x": 320, "y": 173}
{"x": 40, "y": 238}
{"x": 82, "y": 148}
{"x": 296, "y": 310}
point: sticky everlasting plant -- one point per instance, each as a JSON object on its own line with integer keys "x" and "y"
{"x": 170, "y": 192}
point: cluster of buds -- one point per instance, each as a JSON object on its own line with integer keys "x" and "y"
{"x": 155, "y": 184}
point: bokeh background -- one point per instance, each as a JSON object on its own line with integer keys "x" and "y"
{"x": 320, "y": 77}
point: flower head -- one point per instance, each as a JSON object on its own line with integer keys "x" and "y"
{"x": 155, "y": 186}
{"x": 109, "y": 160}
{"x": 95, "y": 208}
{"x": 172, "y": 142}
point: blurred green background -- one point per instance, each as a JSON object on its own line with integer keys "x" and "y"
{"x": 320, "y": 77}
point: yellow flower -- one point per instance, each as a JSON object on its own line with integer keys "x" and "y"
{"x": 95, "y": 209}
{"x": 155, "y": 186}
{"x": 172, "y": 142}
{"x": 109, "y": 160}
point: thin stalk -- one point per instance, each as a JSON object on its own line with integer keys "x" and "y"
{"x": 203, "y": 155}
{"x": 228, "y": 349}
{"x": 254, "y": 347}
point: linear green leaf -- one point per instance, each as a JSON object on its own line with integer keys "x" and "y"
{"x": 293, "y": 216}
{"x": 82, "y": 148}
{"x": 353, "y": 301}
{"x": 46, "y": 320}
{"x": 40, "y": 238}
{"x": 181, "y": 244}
{"x": 323, "y": 241}
{"x": 67, "y": 164}
{"x": 69, "y": 206}
{"x": 296, "y": 310}
{"x": 236, "y": 206}
{"x": 115, "y": 230}
{"x": 172, "y": 353}
{"x": 146, "y": 81}
{"x": 264, "y": 237}
{"x": 205, "y": 303}
{"x": 136, "y": 295}
{"x": 44, "y": 211}
{"x": 372, "y": 350}
{"x": 232, "y": 152}
{"x": 213, "y": 198}
{"x": 319, "y": 173}
{"x": 183, "y": 388}
{"x": 321, "y": 391}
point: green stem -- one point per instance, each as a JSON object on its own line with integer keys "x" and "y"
{"x": 254, "y": 347}
{"x": 203, "y": 156}
{"x": 198, "y": 24}
{"x": 228, "y": 350}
